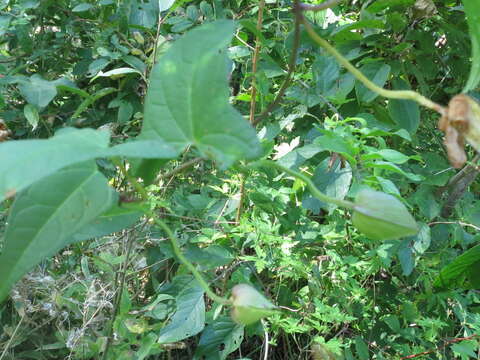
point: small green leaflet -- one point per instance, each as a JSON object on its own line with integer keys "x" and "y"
{"x": 46, "y": 215}
{"x": 26, "y": 161}
{"x": 187, "y": 101}
{"x": 31, "y": 114}
{"x": 472, "y": 10}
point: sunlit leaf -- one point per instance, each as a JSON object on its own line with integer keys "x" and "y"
{"x": 187, "y": 101}
{"x": 46, "y": 215}
{"x": 472, "y": 10}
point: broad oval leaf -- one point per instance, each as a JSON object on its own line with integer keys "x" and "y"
{"x": 381, "y": 216}
{"x": 405, "y": 113}
{"x": 472, "y": 10}
{"x": 378, "y": 73}
{"x": 333, "y": 178}
{"x": 219, "y": 339}
{"x": 46, "y": 215}
{"x": 189, "y": 319}
{"x": 27, "y": 161}
{"x": 37, "y": 91}
{"x": 187, "y": 101}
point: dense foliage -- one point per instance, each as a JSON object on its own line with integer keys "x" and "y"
{"x": 207, "y": 179}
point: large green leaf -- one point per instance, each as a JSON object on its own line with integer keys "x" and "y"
{"x": 333, "y": 179}
{"x": 189, "y": 319}
{"x": 37, "y": 91}
{"x": 27, "y": 161}
{"x": 460, "y": 272}
{"x": 378, "y": 73}
{"x": 219, "y": 339}
{"x": 405, "y": 113}
{"x": 472, "y": 9}
{"x": 187, "y": 101}
{"x": 113, "y": 220}
{"x": 47, "y": 214}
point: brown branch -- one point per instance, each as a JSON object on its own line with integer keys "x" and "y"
{"x": 324, "y": 5}
{"x": 446, "y": 343}
{"x": 458, "y": 185}
{"x": 291, "y": 67}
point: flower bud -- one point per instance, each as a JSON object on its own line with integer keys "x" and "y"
{"x": 381, "y": 216}
{"x": 249, "y": 305}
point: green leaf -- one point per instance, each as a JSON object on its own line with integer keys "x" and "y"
{"x": 362, "y": 349}
{"x": 381, "y": 216}
{"x": 31, "y": 114}
{"x": 466, "y": 349}
{"x": 405, "y": 113}
{"x": 189, "y": 319}
{"x": 423, "y": 239}
{"x": 472, "y": 10}
{"x": 405, "y": 255}
{"x": 46, "y": 215}
{"x": 82, "y": 7}
{"x": 187, "y": 101}
{"x": 378, "y": 73}
{"x": 327, "y": 71}
{"x": 219, "y": 339}
{"x": 393, "y": 156}
{"x": 37, "y": 91}
{"x": 209, "y": 257}
{"x": 331, "y": 179}
{"x": 115, "y": 73}
{"x": 26, "y": 161}
{"x": 393, "y": 168}
{"x": 454, "y": 275}
{"x": 113, "y": 220}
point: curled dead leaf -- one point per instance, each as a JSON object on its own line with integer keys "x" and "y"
{"x": 10, "y": 193}
{"x": 424, "y": 9}
{"x": 461, "y": 122}
{"x": 4, "y": 131}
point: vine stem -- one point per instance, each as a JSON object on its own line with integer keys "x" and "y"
{"x": 310, "y": 185}
{"x": 391, "y": 94}
{"x": 256, "y": 52}
{"x": 173, "y": 239}
{"x": 118, "y": 297}
{"x": 291, "y": 67}
{"x": 178, "y": 253}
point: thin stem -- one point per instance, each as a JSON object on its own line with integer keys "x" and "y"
{"x": 291, "y": 67}
{"x": 392, "y": 94}
{"x": 173, "y": 240}
{"x": 12, "y": 337}
{"x": 242, "y": 199}
{"x": 253, "y": 94}
{"x": 188, "y": 264}
{"x": 131, "y": 179}
{"x": 179, "y": 169}
{"x": 311, "y": 186}
{"x": 118, "y": 298}
{"x": 324, "y": 5}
